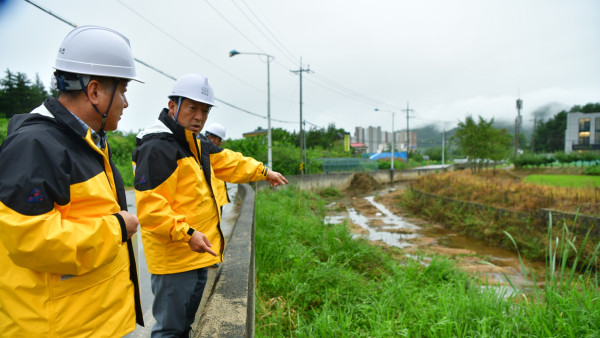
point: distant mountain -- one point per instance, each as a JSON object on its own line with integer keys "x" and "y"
{"x": 430, "y": 137}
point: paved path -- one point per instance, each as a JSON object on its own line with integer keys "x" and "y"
{"x": 228, "y": 220}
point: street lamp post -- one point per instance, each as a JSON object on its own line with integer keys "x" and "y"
{"x": 393, "y": 135}
{"x": 269, "y": 59}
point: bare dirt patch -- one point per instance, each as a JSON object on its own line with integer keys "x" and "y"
{"x": 362, "y": 183}
{"x": 428, "y": 243}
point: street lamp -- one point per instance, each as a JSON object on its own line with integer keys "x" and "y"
{"x": 233, "y": 53}
{"x": 393, "y": 135}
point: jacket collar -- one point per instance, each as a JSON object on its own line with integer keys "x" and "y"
{"x": 65, "y": 117}
{"x": 178, "y": 131}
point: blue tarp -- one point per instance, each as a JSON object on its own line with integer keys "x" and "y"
{"x": 388, "y": 156}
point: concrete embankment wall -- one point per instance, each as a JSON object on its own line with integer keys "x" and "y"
{"x": 341, "y": 181}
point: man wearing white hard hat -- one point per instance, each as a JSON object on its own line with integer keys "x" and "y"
{"x": 68, "y": 268}
{"x": 215, "y": 133}
{"x": 174, "y": 192}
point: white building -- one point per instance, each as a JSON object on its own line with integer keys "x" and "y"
{"x": 377, "y": 140}
{"x": 370, "y": 136}
{"x": 583, "y": 132}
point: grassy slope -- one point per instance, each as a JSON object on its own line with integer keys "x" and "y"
{"x": 315, "y": 280}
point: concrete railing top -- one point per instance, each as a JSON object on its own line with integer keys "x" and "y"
{"x": 229, "y": 310}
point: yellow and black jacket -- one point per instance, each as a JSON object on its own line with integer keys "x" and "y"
{"x": 221, "y": 194}
{"x": 66, "y": 265}
{"x": 173, "y": 193}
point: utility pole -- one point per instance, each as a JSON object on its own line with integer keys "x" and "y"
{"x": 443, "y": 144}
{"x": 304, "y": 144}
{"x": 407, "y": 110}
{"x": 301, "y": 134}
{"x": 533, "y": 135}
{"x": 518, "y": 124}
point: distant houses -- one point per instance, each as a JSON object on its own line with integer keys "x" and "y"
{"x": 254, "y": 133}
{"x": 377, "y": 141}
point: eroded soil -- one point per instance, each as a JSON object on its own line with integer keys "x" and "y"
{"x": 420, "y": 239}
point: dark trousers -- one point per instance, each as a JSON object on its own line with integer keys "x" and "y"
{"x": 176, "y": 300}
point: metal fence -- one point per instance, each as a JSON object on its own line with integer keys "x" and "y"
{"x": 331, "y": 165}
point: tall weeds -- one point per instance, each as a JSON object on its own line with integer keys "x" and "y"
{"x": 569, "y": 298}
{"x": 499, "y": 189}
{"x": 315, "y": 280}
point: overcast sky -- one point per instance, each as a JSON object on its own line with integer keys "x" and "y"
{"x": 445, "y": 59}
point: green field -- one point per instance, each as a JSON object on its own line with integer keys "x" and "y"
{"x": 574, "y": 181}
{"x": 316, "y": 280}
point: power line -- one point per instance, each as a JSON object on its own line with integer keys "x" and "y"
{"x": 283, "y": 50}
{"x": 184, "y": 45}
{"x": 340, "y": 92}
{"x": 291, "y": 54}
{"x": 324, "y": 82}
{"x": 197, "y": 53}
{"x": 54, "y": 15}
{"x": 350, "y": 93}
{"x": 232, "y": 25}
{"x": 333, "y": 86}
{"x": 154, "y": 68}
{"x": 157, "y": 70}
{"x": 146, "y": 64}
{"x": 257, "y": 115}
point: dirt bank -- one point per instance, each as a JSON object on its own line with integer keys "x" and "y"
{"x": 424, "y": 239}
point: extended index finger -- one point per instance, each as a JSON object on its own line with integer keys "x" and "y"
{"x": 206, "y": 246}
{"x": 209, "y": 250}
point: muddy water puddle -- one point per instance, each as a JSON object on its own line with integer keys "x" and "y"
{"x": 421, "y": 240}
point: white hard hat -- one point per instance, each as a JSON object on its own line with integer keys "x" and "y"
{"x": 195, "y": 87}
{"x": 94, "y": 50}
{"x": 216, "y": 129}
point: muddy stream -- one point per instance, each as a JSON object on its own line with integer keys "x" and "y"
{"x": 381, "y": 220}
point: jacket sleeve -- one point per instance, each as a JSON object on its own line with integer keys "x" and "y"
{"x": 37, "y": 226}
{"x": 155, "y": 182}
{"x": 233, "y": 167}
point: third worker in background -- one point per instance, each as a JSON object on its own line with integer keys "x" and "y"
{"x": 176, "y": 206}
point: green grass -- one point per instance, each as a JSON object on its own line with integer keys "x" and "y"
{"x": 315, "y": 280}
{"x": 574, "y": 181}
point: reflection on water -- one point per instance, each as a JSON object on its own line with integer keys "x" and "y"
{"x": 381, "y": 233}
{"x": 471, "y": 254}
{"x": 396, "y": 222}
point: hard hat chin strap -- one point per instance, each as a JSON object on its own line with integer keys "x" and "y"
{"x": 101, "y": 132}
{"x": 177, "y": 111}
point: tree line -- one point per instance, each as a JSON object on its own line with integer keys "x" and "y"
{"x": 477, "y": 139}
